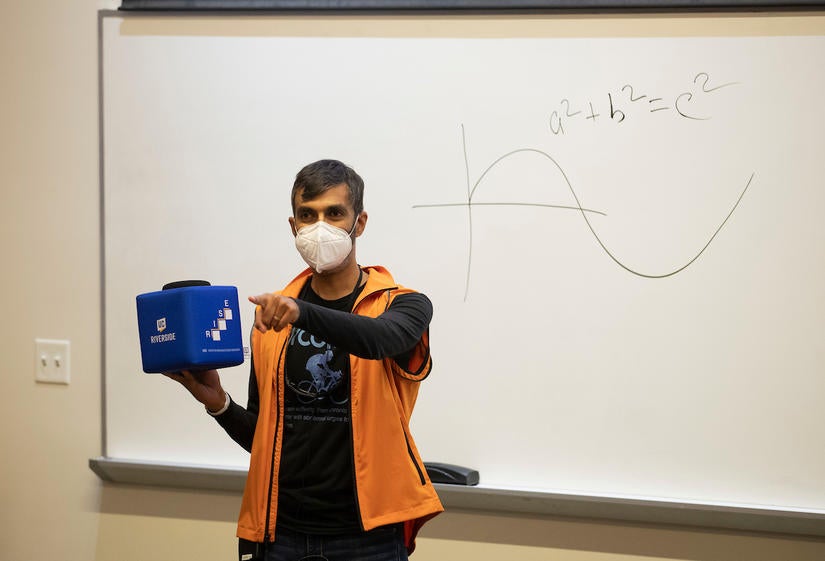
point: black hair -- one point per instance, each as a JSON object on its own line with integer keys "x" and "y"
{"x": 317, "y": 177}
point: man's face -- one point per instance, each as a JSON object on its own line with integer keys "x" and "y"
{"x": 332, "y": 206}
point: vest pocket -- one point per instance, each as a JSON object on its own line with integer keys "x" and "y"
{"x": 412, "y": 456}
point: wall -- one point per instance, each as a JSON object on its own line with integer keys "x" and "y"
{"x": 53, "y": 506}
{"x": 49, "y": 245}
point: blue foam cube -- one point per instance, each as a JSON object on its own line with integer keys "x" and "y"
{"x": 190, "y": 328}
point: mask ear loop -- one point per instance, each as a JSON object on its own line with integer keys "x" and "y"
{"x": 354, "y": 224}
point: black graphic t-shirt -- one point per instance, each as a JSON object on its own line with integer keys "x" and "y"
{"x": 317, "y": 491}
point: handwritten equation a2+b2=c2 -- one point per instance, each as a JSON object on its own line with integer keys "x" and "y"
{"x": 616, "y": 107}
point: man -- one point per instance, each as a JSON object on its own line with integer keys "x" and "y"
{"x": 337, "y": 356}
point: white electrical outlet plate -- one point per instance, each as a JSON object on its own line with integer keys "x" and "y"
{"x": 51, "y": 361}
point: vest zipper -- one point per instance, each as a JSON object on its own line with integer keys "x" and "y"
{"x": 352, "y": 449}
{"x": 274, "y": 447}
{"x": 352, "y": 436}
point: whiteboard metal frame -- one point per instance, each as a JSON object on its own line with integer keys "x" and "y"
{"x": 401, "y": 6}
{"x": 518, "y": 501}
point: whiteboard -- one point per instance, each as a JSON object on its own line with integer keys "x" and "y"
{"x": 620, "y": 233}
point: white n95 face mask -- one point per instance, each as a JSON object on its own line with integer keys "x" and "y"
{"x": 322, "y": 246}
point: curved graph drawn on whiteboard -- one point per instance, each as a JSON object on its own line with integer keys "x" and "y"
{"x": 577, "y": 207}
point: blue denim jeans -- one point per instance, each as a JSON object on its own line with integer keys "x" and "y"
{"x": 381, "y": 544}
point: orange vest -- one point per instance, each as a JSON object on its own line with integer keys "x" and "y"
{"x": 390, "y": 479}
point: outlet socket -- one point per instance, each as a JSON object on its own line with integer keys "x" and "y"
{"x": 52, "y": 361}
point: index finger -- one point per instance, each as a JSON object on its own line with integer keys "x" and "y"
{"x": 259, "y": 302}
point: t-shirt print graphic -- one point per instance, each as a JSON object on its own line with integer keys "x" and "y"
{"x": 326, "y": 382}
